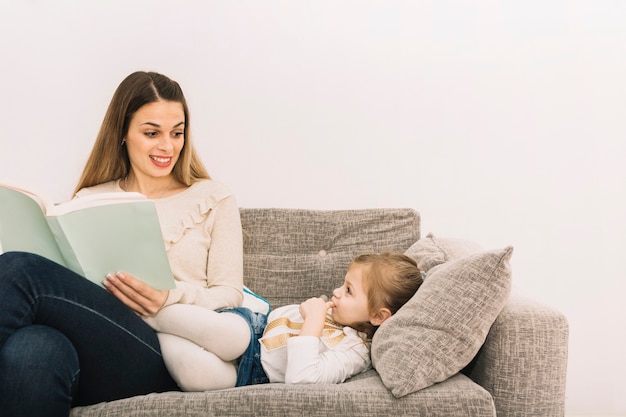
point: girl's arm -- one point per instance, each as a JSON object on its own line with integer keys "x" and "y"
{"x": 306, "y": 365}
{"x": 313, "y": 312}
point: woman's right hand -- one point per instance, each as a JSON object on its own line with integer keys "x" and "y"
{"x": 137, "y": 295}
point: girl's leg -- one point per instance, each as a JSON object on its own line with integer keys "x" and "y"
{"x": 38, "y": 373}
{"x": 118, "y": 353}
{"x": 194, "y": 368}
{"x": 227, "y": 335}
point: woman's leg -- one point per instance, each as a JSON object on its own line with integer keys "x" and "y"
{"x": 194, "y": 368}
{"x": 119, "y": 354}
{"x": 227, "y": 335}
{"x": 38, "y": 373}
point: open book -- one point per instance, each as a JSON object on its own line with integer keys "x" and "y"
{"x": 93, "y": 235}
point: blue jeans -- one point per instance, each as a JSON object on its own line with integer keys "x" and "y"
{"x": 249, "y": 370}
{"x": 65, "y": 341}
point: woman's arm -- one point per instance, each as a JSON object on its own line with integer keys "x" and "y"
{"x": 223, "y": 279}
{"x": 224, "y": 267}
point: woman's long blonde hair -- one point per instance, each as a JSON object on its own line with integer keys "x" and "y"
{"x": 109, "y": 157}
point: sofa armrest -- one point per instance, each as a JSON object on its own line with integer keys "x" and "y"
{"x": 523, "y": 362}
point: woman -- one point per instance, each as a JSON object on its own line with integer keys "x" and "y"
{"x": 65, "y": 341}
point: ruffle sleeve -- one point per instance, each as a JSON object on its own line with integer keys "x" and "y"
{"x": 210, "y": 194}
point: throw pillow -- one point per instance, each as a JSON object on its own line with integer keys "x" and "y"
{"x": 440, "y": 330}
{"x": 431, "y": 251}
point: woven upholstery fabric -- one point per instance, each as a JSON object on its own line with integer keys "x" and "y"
{"x": 363, "y": 396}
{"x": 431, "y": 251}
{"x": 519, "y": 371}
{"x": 315, "y": 247}
{"x": 526, "y": 334}
{"x": 438, "y": 331}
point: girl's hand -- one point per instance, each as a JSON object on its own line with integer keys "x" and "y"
{"x": 138, "y": 296}
{"x": 313, "y": 312}
{"x": 314, "y": 306}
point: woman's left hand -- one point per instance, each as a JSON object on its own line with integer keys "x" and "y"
{"x": 137, "y": 295}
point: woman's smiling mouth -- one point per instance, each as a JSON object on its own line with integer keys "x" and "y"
{"x": 161, "y": 161}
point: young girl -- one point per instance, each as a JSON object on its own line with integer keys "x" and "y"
{"x": 322, "y": 341}
{"x": 329, "y": 341}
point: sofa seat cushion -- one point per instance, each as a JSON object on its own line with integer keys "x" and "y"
{"x": 316, "y": 247}
{"x": 363, "y": 396}
{"x": 442, "y": 327}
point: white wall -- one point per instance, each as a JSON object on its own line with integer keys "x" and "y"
{"x": 500, "y": 121}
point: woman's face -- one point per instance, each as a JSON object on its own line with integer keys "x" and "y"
{"x": 156, "y": 135}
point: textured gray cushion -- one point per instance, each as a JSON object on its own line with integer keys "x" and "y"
{"x": 432, "y": 251}
{"x": 292, "y": 254}
{"x": 362, "y": 396}
{"x": 440, "y": 330}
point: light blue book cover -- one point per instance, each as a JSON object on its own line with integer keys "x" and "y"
{"x": 91, "y": 236}
{"x": 23, "y": 226}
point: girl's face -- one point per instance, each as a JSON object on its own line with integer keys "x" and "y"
{"x": 350, "y": 299}
{"x": 155, "y": 138}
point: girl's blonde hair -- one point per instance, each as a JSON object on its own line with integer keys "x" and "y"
{"x": 390, "y": 279}
{"x": 109, "y": 158}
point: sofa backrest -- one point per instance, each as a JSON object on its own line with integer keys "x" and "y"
{"x": 294, "y": 254}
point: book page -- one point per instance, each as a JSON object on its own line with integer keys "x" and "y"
{"x": 38, "y": 198}
{"x": 23, "y": 226}
{"x": 124, "y": 236}
{"x": 94, "y": 200}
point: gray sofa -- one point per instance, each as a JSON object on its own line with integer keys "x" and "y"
{"x": 518, "y": 367}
